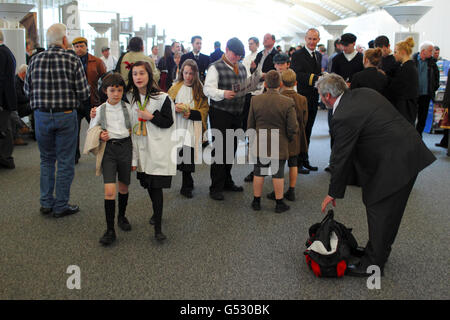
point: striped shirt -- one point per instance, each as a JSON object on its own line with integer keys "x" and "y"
{"x": 56, "y": 80}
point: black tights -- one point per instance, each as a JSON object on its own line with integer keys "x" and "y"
{"x": 156, "y": 195}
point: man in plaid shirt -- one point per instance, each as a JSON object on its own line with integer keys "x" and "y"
{"x": 56, "y": 83}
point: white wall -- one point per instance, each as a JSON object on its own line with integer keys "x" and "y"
{"x": 434, "y": 26}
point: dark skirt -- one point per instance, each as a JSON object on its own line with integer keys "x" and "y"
{"x": 149, "y": 181}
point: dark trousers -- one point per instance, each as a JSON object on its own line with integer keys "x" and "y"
{"x": 186, "y": 166}
{"x": 422, "y": 112}
{"x": 82, "y": 114}
{"x": 248, "y": 99}
{"x": 384, "y": 219}
{"x": 221, "y": 173}
{"x": 6, "y": 139}
{"x": 312, "y": 112}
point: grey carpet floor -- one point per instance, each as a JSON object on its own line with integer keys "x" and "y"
{"x": 215, "y": 250}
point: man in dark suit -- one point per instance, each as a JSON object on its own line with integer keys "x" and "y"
{"x": 377, "y": 147}
{"x": 8, "y": 103}
{"x": 307, "y": 64}
{"x": 201, "y": 59}
{"x": 217, "y": 54}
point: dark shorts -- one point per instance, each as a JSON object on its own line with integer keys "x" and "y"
{"x": 293, "y": 161}
{"x": 261, "y": 170}
{"x": 117, "y": 161}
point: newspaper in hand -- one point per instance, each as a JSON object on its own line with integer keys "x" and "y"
{"x": 248, "y": 85}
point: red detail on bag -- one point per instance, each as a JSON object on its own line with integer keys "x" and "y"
{"x": 340, "y": 268}
{"x": 315, "y": 268}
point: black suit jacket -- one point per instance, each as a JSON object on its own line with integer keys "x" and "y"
{"x": 308, "y": 72}
{"x": 374, "y": 140}
{"x": 370, "y": 78}
{"x": 268, "y": 62}
{"x": 202, "y": 63}
{"x": 8, "y": 100}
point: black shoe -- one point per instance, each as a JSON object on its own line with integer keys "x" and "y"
{"x": 108, "y": 238}
{"x": 249, "y": 178}
{"x": 328, "y": 169}
{"x": 46, "y": 211}
{"x": 216, "y": 196}
{"x": 281, "y": 207}
{"x": 271, "y": 195}
{"x": 256, "y": 205}
{"x": 160, "y": 236}
{"x": 441, "y": 145}
{"x": 187, "y": 193}
{"x": 290, "y": 195}
{"x": 8, "y": 164}
{"x": 357, "y": 270}
{"x": 152, "y": 221}
{"x": 123, "y": 223}
{"x": 70, "y": 210}
{"x": 302, "y": 170}
{"x": 310, "y": 167}
{"x": 233, "y": 188}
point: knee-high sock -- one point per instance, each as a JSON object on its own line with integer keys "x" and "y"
{"x": 123, "y": 202}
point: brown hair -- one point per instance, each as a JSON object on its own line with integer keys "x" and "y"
{"x": 273, "y": 79}
{"x": 288, "y": 77}
{"x": 152, "y": 88}
{"x": 197, "y": 87}
{"x": 374, "y": 56}
{"x": 113, "y": 79}
{"x": 407, "y": 45}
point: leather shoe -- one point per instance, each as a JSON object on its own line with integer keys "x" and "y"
{"x": 281, "y": 207}
{"x": 310, "y": 167}
{"x": 123, "y": 223}
{"x": 249, "y": 178}
{"x": 46, "y": 211}
{"x": 233, "y": 188}
{"x": 108, "y": 238}
{"x": 256, "y": 205}
{"x": 271, "y": 195}
{"x": 187, "y": 193}
{"x": 289, "y": 195}
{"x": 70, "y": 210}
{"x": 216, "y": 196}
{"x": 441, "y": 145}
{"x": 160, "y": 236}
{"x": 302, "y": 170}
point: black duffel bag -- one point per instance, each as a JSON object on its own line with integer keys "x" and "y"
{"x": 330, "y": 247}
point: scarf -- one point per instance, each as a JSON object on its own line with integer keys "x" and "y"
{"x": 234, "y": 66}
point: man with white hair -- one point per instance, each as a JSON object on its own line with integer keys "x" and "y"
{"x": 428, "y": 81}
{"x": 8, "y": 104}
{"x": 366, "y": 128}
{"x": 56, "y": 84}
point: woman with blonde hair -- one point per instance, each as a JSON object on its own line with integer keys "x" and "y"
{"x": 371, "y": 76}
{"x": 404, "y": 85}
{"x": 191, "y": 107}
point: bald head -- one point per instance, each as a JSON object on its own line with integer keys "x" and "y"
{"x": 312, "y": 38}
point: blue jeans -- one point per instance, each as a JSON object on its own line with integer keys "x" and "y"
{"x": 56, "y": 134}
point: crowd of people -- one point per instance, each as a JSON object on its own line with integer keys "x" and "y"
{"x": 135, "y": 105}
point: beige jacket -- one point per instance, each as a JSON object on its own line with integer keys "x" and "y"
{"x": 96, "y": 146}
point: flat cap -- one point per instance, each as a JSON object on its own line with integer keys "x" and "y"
{"x": 236, "y": 45}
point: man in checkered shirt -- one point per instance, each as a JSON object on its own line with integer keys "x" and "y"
{"x": 56, "y": 84}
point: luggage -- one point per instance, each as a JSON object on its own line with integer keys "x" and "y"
{"x": 330, "y": 247}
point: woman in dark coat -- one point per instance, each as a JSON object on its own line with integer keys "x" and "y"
{"x": 404, "y": 86}
{"x": 167, "y": 67}
{"x": 371, "y": 76}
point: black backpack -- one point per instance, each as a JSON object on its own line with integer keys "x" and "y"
{"x": 329, "y": 247}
